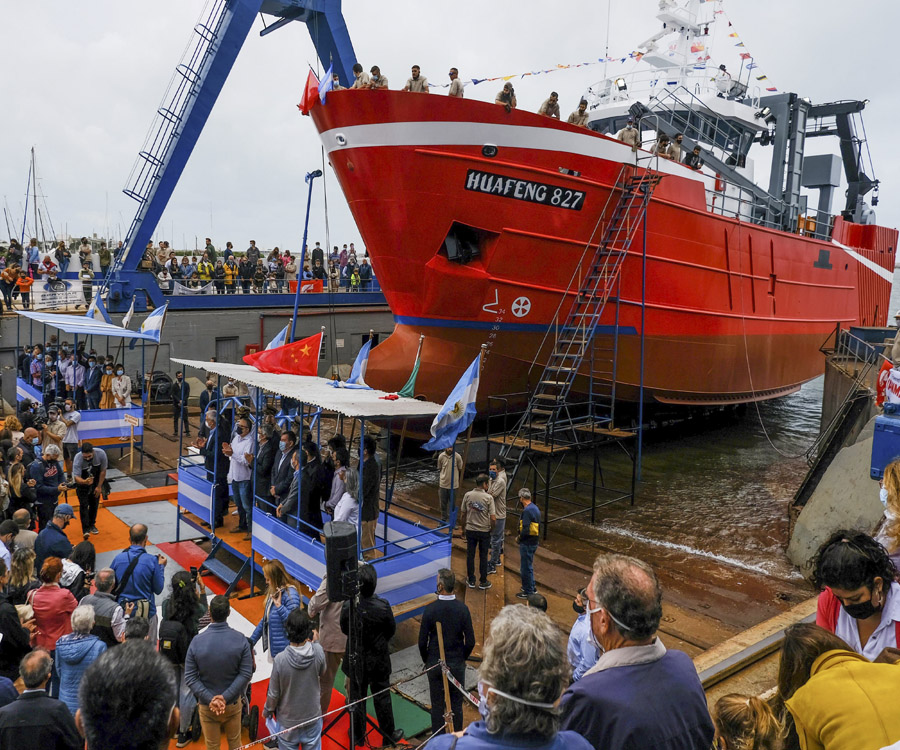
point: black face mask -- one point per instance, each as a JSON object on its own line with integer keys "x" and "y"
{"x": 861, "y": 611}
{"x": 578, "y": 610}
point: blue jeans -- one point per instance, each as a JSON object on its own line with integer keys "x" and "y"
{"x": 309, "y": 737}
{"x": 526, "y": 567}
{"x": 497, "y": 541}
{"x": 243, "y": 498}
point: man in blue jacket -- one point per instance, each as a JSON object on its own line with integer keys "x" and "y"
{"x": 217, "y": 668}
{"x": 145, "y": 579}
{"x": 52, "y": 541}
{"x": 638, "y": 694}
{"x": 529, "y": 534}
{"x": 47, "y": 473}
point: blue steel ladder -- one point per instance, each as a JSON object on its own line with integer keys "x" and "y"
{"x": 170, "y": 117}
{"x": 547, "y": 421}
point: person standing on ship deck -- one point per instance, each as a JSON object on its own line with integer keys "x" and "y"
{"x": 418, "y": 84}
{"x": 445, "y": 459}
{"x": 675, "y": 148}
{"x": 579, "y": 117}
{"x": 480, "y": 517}
{"x": 630, "y": 135}
{"x": 362, "y": 78}
{"x": 529, "y": 534}
{"x": 497, "y": 488}
{"x": 456, "y": 86}
{"x": 506, "y": 97}
{"x": 693, "y": 159}
{"x": 378, "y": 81}
{"x": 550, "y": 107}
{"x": 336, "y": 83}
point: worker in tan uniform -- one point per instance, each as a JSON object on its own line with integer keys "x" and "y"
{"x": 630, "y": 135}
{"x": 550, "y": 107}
{"x": 362, "y": 78}
{"x": 378, "y": 81}
{"x": 456, "y": 86}
{"x": 579, "y": 117}
{"x": 417, "y": 83}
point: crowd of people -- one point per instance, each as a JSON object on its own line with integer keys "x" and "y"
{"x": 61, "y": 373}
{"x": 256, "y": 272}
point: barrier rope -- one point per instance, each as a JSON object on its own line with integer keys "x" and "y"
{"x": 453, "y": 681}
{"x": 345, "y": 707}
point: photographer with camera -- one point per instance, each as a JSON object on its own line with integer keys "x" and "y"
{"x": 140, "y": 576}
{"x": 89, "y": 473}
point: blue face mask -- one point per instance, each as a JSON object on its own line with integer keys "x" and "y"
{"x": 35, "y": 441}
{"x": 120, "y": 372}
{"x": 92, "y": 364}
{"x": 492, "y": 474}
{"x": 282, "y": 445}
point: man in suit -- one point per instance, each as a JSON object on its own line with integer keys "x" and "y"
{"x": 282, "y": 471}
{"x": 35, "y": 721}
{"x": 181, "y": 391}
{"x": 265, "y": 458}
{"x": 209, "y": 442}
{"x": 312, "y": 489}
{"x": 92, "y": 383}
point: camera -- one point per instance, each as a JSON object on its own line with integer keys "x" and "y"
{"x": 194, "y": 574}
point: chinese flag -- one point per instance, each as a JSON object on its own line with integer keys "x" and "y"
{"x": 310, "y": 93}
{"x": 299, "y": 358}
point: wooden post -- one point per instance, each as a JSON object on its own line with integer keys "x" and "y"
{"x": 131, "y": 454}
{"x": 448, "y": 712}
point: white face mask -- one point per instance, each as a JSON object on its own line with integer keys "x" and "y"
{"x": 883, "y": 496}
{"x": 485, "y": 711}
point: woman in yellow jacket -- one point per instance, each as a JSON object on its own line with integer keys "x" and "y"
{"x": 106, "y": 399}
{"x": 835, "y": 698}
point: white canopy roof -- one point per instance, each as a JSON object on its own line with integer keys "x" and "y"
{"x": 351, "y": 402}
{"x": 81, "y": 324}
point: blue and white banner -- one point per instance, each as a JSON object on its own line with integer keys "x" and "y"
{"x": 402, "y": 576}
{"x": 25, "y": 390}
{"x": 109, "y": 423}
{"x": 195, "y": 492}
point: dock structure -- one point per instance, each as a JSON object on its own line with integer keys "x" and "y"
{"x": 582, "y": 344}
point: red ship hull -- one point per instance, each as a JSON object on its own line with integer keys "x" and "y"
{"x": 733, "y": 312}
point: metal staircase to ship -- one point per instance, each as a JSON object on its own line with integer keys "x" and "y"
{"x": 550, "y": 422}
{"x": 170, "y": 118}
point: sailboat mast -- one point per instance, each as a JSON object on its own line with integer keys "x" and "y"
{"x": 34, "y": 193}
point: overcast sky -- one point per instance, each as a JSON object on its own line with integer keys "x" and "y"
{"x": 81, "y": 82}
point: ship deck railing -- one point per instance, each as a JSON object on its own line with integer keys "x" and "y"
{"x": 643, "y": 85}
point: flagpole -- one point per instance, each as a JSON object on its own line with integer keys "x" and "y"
{"x": 469, "y": 431}
{"x": 310, "y": 177}
{"x": 406, "y": 421}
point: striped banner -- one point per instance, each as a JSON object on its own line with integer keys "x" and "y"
{"x": 24, "y": 390}
{"x": 401, "y": 578}
{"x": 195, "y": 492}
{"x": 109, "y": 423}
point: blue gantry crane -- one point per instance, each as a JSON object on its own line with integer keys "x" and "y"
{"x": 198, "y": 79}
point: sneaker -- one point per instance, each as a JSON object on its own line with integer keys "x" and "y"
{"x": 485, "y": 586}
{"x": 471, "y": 584}
{"x": 492, "y": 570}
{"x": 522, "y": 595}
{"x": 95, "y": 530}
{"x": 397, "y": 736}
{"x": 183, "y": 739}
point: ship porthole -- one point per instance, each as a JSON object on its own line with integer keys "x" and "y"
{"x": 489, "y": 150}
{"x": 341, "y": 139}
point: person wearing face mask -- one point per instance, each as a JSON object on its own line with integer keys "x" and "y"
{"x": 211, "y": 393}
{"x": 54, "y": 431}
{"x": 181, "y": 392}
{"x": 263, "y": 460}
{"x": 497, "y": 489}
{"x": 519, "y": 697}
{"x": 106, "y": 396}
{"x": 282, "y": 470}
{"x": 74, "y": 380}
{"x": 210, "y": 442}
{"x": 830, "y": 697}
{"x": 639, "y": 693}
{"x": 70, "y": 418}
{"x": 378, "y": 81}
{"x": 630, "y": 135}
{"x": 581, "y": 651}
{"x": 240, "y": 454}
{"x": 121, "y": 388}
{"x": 450, "y": 465}
{"x": 860, "y": 599}
{"x": 92, "y": 381}
{"x": 31, "y": 446}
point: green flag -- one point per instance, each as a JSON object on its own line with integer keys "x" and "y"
{"x": 408, "y": 390}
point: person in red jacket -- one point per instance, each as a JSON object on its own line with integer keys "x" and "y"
{"x": 53, "y": 607}
{"x": 860, "y": 599}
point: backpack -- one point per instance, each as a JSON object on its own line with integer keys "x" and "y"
{"x": 173, "y": 641}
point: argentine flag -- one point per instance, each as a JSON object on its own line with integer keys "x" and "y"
{"x": 279, "y": 339}
{"x": 98, "y": 306}
{"x": 326, "y": 84}
{"x": 458, "y": 410}
{"x": 153, "y": 323}
{"x": 357, "y": 377}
